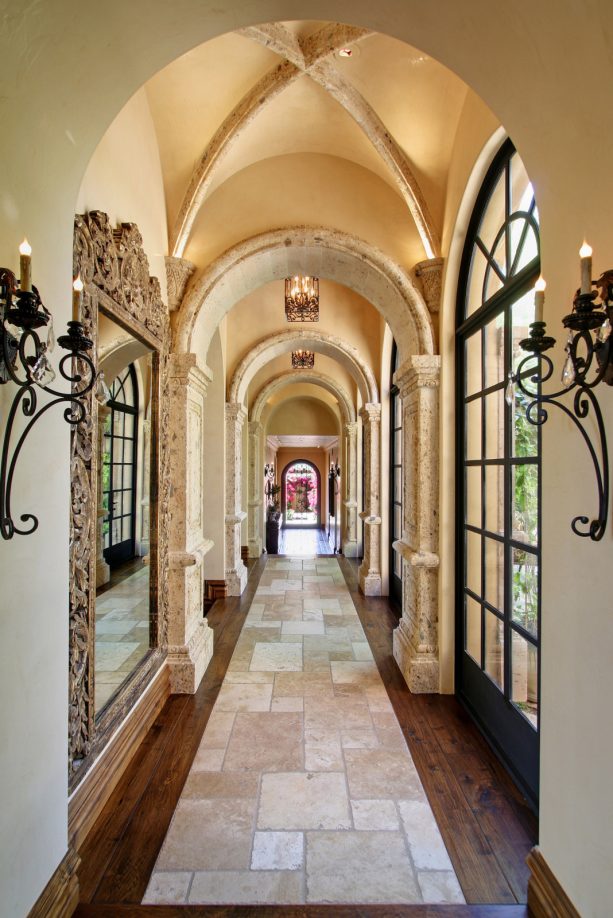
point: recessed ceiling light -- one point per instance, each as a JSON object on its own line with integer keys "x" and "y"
{"x": 348, "y": 52}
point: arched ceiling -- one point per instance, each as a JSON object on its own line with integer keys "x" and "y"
{"x": 281, "y": 89}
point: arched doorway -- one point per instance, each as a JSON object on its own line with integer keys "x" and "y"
{"x": 301, "y": 495}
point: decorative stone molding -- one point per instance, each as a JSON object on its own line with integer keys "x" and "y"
{"x": 369, "y": 573}
{"x": 430, "y": 272}
{"x": 256, "y": 475}
{"x": 103, "y": 571}
{"x": 178, "y": 273}
{"x": 277, "y": 253}
{"x": 415, "y": 642}
{"x": 350, "y": 481}
{"x": 115, "y": 272}
{"x": 236, "y": 572}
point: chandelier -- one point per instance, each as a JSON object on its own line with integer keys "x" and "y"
{"x": 303, "y": 360}
{"x": 302, "y": 299}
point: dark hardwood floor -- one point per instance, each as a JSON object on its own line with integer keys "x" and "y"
{"x": 487, "y": 826}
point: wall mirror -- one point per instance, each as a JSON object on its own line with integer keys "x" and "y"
{"x": 120, "y": 487}
{"x": 126, "y": 593}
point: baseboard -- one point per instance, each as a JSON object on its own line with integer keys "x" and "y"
{"x": 546, "y": 898}
{"x": 213, "y": 590}
{"x": 92, "y": 794}
{"x": 60, "y": 896}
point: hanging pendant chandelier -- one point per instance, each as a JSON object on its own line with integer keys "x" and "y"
{"x": 302, "y": 299}
{"x": 303, "y": 360}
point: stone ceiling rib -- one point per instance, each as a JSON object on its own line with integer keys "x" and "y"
{"x": 308, "y": 59}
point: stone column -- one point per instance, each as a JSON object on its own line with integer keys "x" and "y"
{"x": 256, "y": 475}
{"x": 350, "y": 490}
{"x": 416, "y": 637}
{"x": 103, "y": 571}
{"x": 190, "y": 640}
{"x": 145, "y": 490}
{"x": 236, "y": 572}
{"x": 370, "y": 568}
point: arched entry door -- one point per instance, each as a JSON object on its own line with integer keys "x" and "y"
{"x": 301, "y": 494}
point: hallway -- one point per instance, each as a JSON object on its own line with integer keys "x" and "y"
{"x": 303, "y": 542}
{"x": 303, "y": 789}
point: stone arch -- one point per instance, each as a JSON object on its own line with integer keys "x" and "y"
{"x": 304, "y": 376}
{"x": 328, "y": 253}
{"x": 320, "y": 342}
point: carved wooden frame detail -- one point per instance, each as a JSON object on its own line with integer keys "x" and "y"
{"x": 115, "y": 271}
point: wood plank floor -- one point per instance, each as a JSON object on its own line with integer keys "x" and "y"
{"x": 487, "y": 826}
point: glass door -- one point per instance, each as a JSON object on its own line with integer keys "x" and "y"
{"x": 119, "y": 469}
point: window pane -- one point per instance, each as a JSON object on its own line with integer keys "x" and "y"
{"x": 473, "y": 495}
{"x": 493, "y": 338}
{"x": 473, "y": 562}
{"x": 494, "y": 424}
{"x": 129, "y": 425}
{"x": 398, "y": 564}
{"x": 118, "y": 418}
{"x": 397, "y": 411}
{"x": 495, "y": 214}
{"x": 117, "y": 472}
{"x": 524, "y": 677}
{"x": 398, "y": 446}
{"x": 398, "y": 485}
{"x": 525, "y": 434}
{"x": 494, "y": 498}
{"x": 525, "y": 589}
{"x": 494, "y": 573}
{"x": 525, "y": 503}
{"x": 472, "y": 629}
{"x": 473, "y": 429}
{"x": 494, "y": 648}
{"x": 474, "y": 378}
{"x": 522, "y": 314}
{"x": 397, "y": 522}
{"x": 475, "y": 284}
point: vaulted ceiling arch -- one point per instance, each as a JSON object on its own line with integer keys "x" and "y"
{"x": 312, "y": 58}
{"x": 304, "y": 376}
{"x": 322, "y": 252}
{"x": 317, "y": 341}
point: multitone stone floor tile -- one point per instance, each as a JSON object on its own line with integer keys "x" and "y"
{"x": 303, "y": 788}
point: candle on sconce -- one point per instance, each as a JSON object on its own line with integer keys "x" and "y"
{"x": 25, "y": 266}
{"x": 77, "y": 299}
{"x": 539, "y": 299}
{"x": 586, "y": 268}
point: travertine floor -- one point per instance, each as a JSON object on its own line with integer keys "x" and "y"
{"x": 303, "y": 789}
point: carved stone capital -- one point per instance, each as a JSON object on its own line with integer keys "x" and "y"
{"x": 255, "y": 428}
{"x": 178, "y": 272}
{"x": 235, "y": 413}
{"x": 351, "y": 430}
{"x": 371, "y": 413}
{"x": 430, "y": 273}
{"x": 420, "y": 371}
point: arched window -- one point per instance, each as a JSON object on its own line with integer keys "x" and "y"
{"x": 498, "y": 511}
{"x": 119, "y": 469}
{"x": 395, "y": 484}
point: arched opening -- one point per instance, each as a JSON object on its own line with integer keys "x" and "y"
{"x": 301, "y": 495}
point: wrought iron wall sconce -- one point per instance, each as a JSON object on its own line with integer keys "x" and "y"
{"x": 335, "y": 471}
{"x": 589, "y": 361}
{"x": 269, "y": 475}
{"x": 24, "y": 361}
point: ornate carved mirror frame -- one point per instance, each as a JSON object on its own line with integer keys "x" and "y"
{"x": 115, "y": 272}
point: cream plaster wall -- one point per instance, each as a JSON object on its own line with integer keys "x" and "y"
{"x": 124, "y": 179}
{"x": 213, "y": 460}
{"x": 305, "y": 416}
{"x": 89, "y": 61}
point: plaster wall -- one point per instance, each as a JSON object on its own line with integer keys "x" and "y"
{"x": 305, "y": 416}
{"x": 89, "y": 61}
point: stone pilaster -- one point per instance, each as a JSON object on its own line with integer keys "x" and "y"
{"x": 350, "y": 535}
{"x": 416, "y": 638}
{"x": 430, "y": 272}
{"x": 190, "y": 640}
{"x": 370, "y": 568}
{"x": 178, "y": 272}
{"x": 256, "y": 475}
{"x": 103, "y": 571}
{"x": 236, "y": 572}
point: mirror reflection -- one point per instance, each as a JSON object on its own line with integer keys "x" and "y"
{"x": 123, "y": 633}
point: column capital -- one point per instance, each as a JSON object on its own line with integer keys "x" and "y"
{"x": 178, "y": 272}
{"x": 351, "y": 429}
{"x": 235, "y": 412}
{"x": 421, "y": 371}
{"x": 255, "y": 428}
{"x": 430, "y": 272}
{"x": 371, "y": 412}
{"x": 188, "y": 369}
